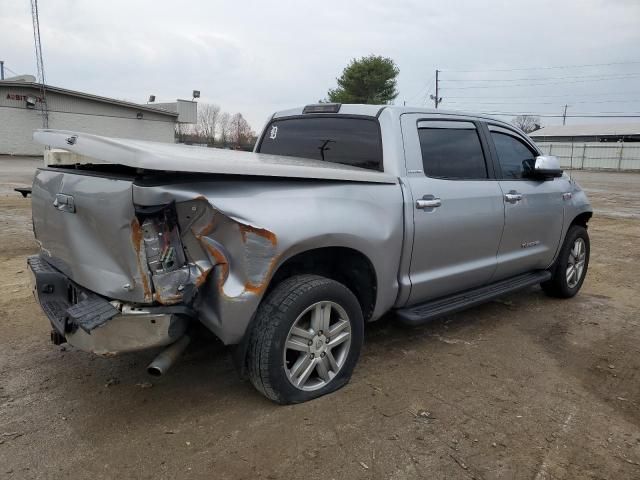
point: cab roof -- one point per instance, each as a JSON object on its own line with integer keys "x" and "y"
{"x": 376, "y": 110}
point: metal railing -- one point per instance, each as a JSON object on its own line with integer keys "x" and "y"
{"x": 594, "y": 155}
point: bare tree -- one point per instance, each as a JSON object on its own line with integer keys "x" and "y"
{"x": 186, "y": 132}
{"x": 240, "y": 130}
{"x": 181, "y": 132}
{"x": 208, "y": 120}
{"x": 527, "y": 123}
{"x": 224, "y": 124}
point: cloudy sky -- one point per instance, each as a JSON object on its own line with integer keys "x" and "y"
{"x": 256, "y": 57}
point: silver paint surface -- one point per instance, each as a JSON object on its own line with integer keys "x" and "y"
{"x": 129, "y": 333}
{"x": 238, "y": 231}
{"x": 185, "y": 158}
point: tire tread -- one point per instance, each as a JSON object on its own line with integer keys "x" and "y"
{"x": 556, "y": 286}
{"x": 270, "y": 314}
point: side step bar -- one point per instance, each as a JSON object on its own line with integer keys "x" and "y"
{"x": 424, "y": 312}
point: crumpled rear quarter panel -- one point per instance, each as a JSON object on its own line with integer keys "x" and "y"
{"x": 247, "y": 228}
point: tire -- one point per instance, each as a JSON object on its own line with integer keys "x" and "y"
{"x": 310, "y": 303}
{"x": 561, "y": 284}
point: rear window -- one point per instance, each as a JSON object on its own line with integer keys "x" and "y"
{"x": 349, "y": 141}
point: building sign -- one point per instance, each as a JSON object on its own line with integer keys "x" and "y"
{"x": 18, "y": 97}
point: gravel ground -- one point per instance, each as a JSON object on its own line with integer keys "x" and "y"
{"x": 523, "y": 387}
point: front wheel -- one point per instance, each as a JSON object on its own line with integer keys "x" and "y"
{"x": 571, "y": 265}
{"x": 306, "y": 339}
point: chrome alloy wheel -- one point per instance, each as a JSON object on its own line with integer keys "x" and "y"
{"x": 575, "y": 266}
{"x": 317, "y": 346}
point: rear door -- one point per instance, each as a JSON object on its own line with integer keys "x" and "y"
{"x": 86, "y": 227}
{"x": 458, "y": 210}
{"x": 533, "y": 208}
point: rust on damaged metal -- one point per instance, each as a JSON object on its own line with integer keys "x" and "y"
{"x": 262, "y": 286}
{"x": 202, "y": 276}
{"x": 206, "y": 230}
{"x": 137, "y": 238}
{"x": 261, "y": 232}
{"x": 167, "y": 299}
{"x": 219, "y": 258}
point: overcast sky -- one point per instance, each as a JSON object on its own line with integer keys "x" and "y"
{"x": 257, "y": 57}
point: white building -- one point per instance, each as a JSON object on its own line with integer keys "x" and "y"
{"x": 20, "y": 115}
{"x": 608, "y": 132}
{"x": 612, "y": 146}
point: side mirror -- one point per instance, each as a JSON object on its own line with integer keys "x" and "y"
{"x": 547, "y": 167}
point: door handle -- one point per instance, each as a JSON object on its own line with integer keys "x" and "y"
{"x": 512, "y": 197}
{"x": 428, "y": 201}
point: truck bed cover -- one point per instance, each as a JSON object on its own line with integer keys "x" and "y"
{"x": 183, "y": 158}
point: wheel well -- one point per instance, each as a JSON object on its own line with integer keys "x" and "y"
{"x": 345, "y": 265}
{"x": 582, "y": 219}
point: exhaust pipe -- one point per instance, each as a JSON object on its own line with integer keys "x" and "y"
{"x": 168, "y": 357}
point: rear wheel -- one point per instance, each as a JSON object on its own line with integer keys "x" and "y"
{"x": 306, "y": 339}
{"x": 571, "y": 265}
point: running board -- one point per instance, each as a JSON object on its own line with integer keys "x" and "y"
{"x": 423, "y": 312}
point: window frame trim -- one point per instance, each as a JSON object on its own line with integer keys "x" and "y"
{"x": 494, "y": 127}
{"x": 326, "y": 115}
{"x": 484, "y": 146}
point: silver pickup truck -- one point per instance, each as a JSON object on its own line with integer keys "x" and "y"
{"x": 342, "y": 213}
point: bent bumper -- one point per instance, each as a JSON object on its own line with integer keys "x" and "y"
{"x": 95, "y": 324}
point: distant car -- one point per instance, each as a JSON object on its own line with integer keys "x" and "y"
{"x": 341, "y": 214}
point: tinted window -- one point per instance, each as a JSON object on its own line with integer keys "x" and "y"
{"x": 452, "y": 152}
{"x": 350, "y": 141}
{"x": 516, "y": 159}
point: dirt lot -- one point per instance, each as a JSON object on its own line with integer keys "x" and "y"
{"x": 524, "y": 387}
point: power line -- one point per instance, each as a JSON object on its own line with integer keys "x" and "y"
{"x": 421, "y": 93}
{"x": 545, "y": 96}
{"x": 427, "y": 96}
{"x": 469, "y": 87}
{"x": 593, "y": 113}
{"x": 9, "y": 70}
{"x": 541, "y": 103}
{"x": 544, "y": 68}
{"x": 551, "y": 115}
{"x": 612, "y": 76}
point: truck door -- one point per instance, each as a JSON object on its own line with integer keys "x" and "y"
{"x": 533, "y": 208}
{"x": 458, "y": 211}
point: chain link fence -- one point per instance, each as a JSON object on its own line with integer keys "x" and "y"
{"x": 593, "y": 155}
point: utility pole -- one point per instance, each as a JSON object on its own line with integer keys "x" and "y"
{"x": 564, "y": 115}
{"x": 437, "y": 99}
{"x": 1, "y": 69}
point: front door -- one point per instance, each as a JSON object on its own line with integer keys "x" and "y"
{"x": 533, "y": 208}
{"x": 458, "y": 212}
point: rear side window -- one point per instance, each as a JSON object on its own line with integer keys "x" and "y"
{"x": 516, "y": 159}
{"x": 349, "y": 141}
{"x": 451, "y": 150}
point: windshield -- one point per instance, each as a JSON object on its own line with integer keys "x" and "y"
{"x": 346, "y": 140}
